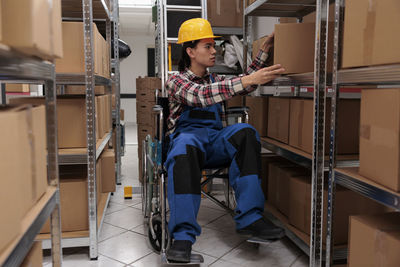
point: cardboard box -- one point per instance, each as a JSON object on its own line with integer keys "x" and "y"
{"x": 71, "y": 119}
{"x": 34, "y": 258}
{"x": 258, "y": 113}
{"x": 106, "y": 59}
{"x": 1, "y": 27}
{"x": 257, "y": 46}
{"x": 346, "y": 203}
{"x": 266, "y": 161}
{"x": 294, "y": 47}
{"x": 17, "y": 88}
{"x": 236, "y": 101}
{"x": 374, "y": 240}
{"x": 278, "y": 119}
{"x": 144, "y": 95}
{"x": 144, "y": 113}
{"x": 81, "y": 90}
{"x": 146, "y": 88}
{"x": 331, "y": 17}
{"x": 73, "y": 45}
{"x": 347, "y": 131}
{"x": 288, "y": 20}
{"x": 225, "y": 13}
{"x": 39, "y": 33}
{"x": 379, "y": 136}
{"x": 122, "y": 114}
{"x": 368, "y": 37}
{"x": 108, "y": 171}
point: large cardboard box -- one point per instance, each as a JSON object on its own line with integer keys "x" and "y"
{"x": 108, "y": 171}
{"x": 17, "y": 88}
{"x": 34, "y": 258}
{"x": 266, "y": 161}
{"x": 278, "y": 119}
{"x": 368, "y": 37}
{"x": 346, "y": 203}
{"x": 374, "y": 240}
{"x": 347, "y": 131}
{"x": 379, "y": 136}
{"x": 73, "y": 60}
{"x": 71, "y": 119}
{"x": 294, "y": 47}
{"x": 38, "y": 33}
{"x": 258, "y": 113}
{"x": 225, "y": 13}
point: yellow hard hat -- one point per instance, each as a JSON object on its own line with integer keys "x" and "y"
{"x": 195, "y": 29}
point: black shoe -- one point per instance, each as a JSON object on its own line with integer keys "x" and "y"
{"x": 180, "y": 251}
{"x": 263, "y": 229}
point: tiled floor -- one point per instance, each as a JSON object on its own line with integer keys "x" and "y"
{"x": 123, "y": 237}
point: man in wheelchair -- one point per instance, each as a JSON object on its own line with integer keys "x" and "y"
{"x": 198, "y": 139}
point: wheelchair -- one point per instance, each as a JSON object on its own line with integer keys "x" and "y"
{"x": 154, "y": 180}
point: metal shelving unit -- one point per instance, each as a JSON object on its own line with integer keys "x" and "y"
{"x": 349, "y": 177}
{"x": 16, "y": 67}
{"x": 88, "y": 10}
{"x": 319, "y": 80}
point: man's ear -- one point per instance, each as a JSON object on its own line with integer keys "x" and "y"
{"x": 190, "y": 52}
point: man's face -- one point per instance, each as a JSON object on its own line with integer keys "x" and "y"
{"x": 204, "y": 53}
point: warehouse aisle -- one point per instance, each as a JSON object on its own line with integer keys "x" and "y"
{"x": 123, "y": 238}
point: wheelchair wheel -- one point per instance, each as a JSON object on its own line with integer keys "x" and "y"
{"x": 230, "y": 199}
{"x": 155, "y": 241}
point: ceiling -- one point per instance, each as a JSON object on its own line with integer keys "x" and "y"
{"x": 135, "y": 17}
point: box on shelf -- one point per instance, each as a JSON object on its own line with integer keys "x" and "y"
{"x": 368, "y": 37}
{"x": 278, "y": 119}
{"x": 225, "y": 13}
{"x": 258, "y": 113}
{"x": 294, "y": 47}
{"x": 81, "y": 90}
{"x": 379, "y": 136}
{"x": 34, "y": 258}
{"x": 374, "y": 240}
{"x": 38, "y": 33}
{"x": 266, "y": 161}
{"x": 73, "y": 43}
{"x": 288, "y": 20}
{"x": 17, "y": 88}
{"x": 1, "y": 27}
{"x": 347, "y": 131}
{"x": 236, "y": 101}
{"x": 108, "y": 171}
{"x": 346, "y": 203}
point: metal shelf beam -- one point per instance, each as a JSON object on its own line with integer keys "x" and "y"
{"x": 79, "y": 79}
{"x": 280, "y": 8}
{"x": 73, "y": 9}
{"x": 180, "y": 8}
{"x": 227, "y": 31}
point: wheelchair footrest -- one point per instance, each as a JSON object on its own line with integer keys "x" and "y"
{"x": 195, "y": 259}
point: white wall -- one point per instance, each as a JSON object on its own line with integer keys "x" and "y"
{"x": 132, "y": 67}
{"x": 263, "y": 26}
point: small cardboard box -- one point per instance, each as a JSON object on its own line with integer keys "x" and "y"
{"x": 258, "y": 113}
{"x": 34, "y": 258}
{"x": 368, "y": 37}
{"x": 374, "y": 240}
{"x": 225, "y": 13}
{"x": 278, "y": 119}
{"x": 294, "y": 47}
{"x": 17, "y": 88}
{"x": 347, "y": 131}
{"x": 108, "y": 171}
{"x": 379, "y": 136}
{"x": 73, "y": 60}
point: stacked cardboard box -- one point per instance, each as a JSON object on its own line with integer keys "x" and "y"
{"x": 71, "y": 118}
{"x": 34, "y": 258}
{"x": 108, "y": 171}
{"x": 38, "y": 33}
{"x": 81, "y": 90}
{"x": 374, "y": 240}
{"x": 22, "y": 165}
{"x": 379, "y": 136}
{"x": 368, "y": 37}
{"x": 145, "y": 100}
{"x": 258, "y": 113}
{"x": 17, "y": 88}
{"x": 74, "y": 59}
{"x": 278, "y": 119}
{"x": 225, "y": 13}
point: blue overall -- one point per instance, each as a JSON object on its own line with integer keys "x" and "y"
{"x": 200, "y": 142}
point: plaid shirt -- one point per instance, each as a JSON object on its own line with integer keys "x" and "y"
{"x": 188, "y": 89}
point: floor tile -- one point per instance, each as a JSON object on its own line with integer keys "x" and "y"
{"x": 127, "y": 247}
{"x": 301, "y": 261}
{"x": 207, "y": 215}
{"x": 113, "y": 207}
{"x": 247, "y": 254}
{"x": 141, "y": 229}
{"x": 205, "y": 202}
{"x": 82, "y": 260}
{"x": 118, "y": 198}
{"x": 224, "y": 224}
{"x": 127, "y": 218}
{"x": 109, "y": 230}
{"x": 222, "y": 263}
{"x": 154, "y": 260}
{"x": 216, "y": 243}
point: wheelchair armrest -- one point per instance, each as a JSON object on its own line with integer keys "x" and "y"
{"x": 159, "y": 111}
{"x": 237, "y": 110}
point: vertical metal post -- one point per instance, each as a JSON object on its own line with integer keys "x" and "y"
{"x": 204, "y": 10}
{"x": 90, "y": 125}
{"x": 117, "y": 89}
{"x": 52, "y": 168}
{"x": 165, "y": 42}
{"x": 339, "y": 11}
{"x": 321, "y": 37}
{"x": 3, "y": 93}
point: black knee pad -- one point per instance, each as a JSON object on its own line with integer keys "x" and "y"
{"x": 187, "y": 171}
{"x": 248, "y": 152}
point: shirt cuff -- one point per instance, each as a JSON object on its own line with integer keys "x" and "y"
{"x": 237, "y": 85}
